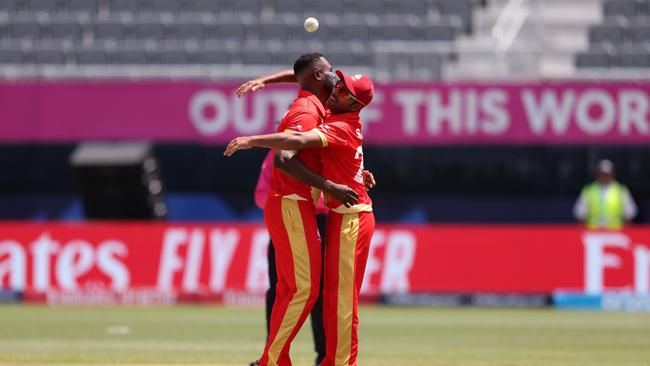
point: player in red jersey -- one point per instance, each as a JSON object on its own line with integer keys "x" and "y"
{"x": 290, "y": 214}
{"x": 286, "y": 162}
{"x": 349, "y": 227}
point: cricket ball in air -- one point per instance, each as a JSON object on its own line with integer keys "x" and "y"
{"x": 311, "y": 24}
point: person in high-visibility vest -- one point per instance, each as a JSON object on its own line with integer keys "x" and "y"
{"x": 605, "y": 203}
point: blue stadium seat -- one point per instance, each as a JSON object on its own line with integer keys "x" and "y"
{"x": 593, "y": 58}
{"x": 643, "y": 8}
{"x": 375, "y": 7}
{"x": 205, "y": 6}
{"x": 124, "y": 6}
{"x": 87, "y": 6}
{"x": 272, "y": 31}
{"x": 640, "y": 33}
{"x": 172, "y": 57}
{"x": 348, "y": 54}
{"x": 109, "y": 31}
{"x": 427, "y": 63}
{"x": 358, "y": 32}
{"x": 634, "y": 58}
{"x": 9, "y": 5}
{"x": 459, "y": 8}
{"x": 4, "y": 31}
{"x": 187, "y": 31}
{"x": 48, "y": 6}
{"x": 214, "y": 57}
{"x": 148, "y": 31}
{"x": 66, "y": 31}
{"x": 439, "y": 32}
{"x": 252, "y": 6}
{"x": 11, "y": 56}
{"x": 624, "y": 8}
{"x": 364, "y": 57}
{"x": 396, "y": 32}
{"x": 235, "y": 31}
{"x": 132, "y": 57}
{"x": 257, "y": 57}
{"x": 342, "y": 58}
{"x": 164, "y": 6}
{"x": 49, "y": 57}
{"x": 288, "y": 6}
{"x": 337, "y": 7}
{"x": 612, "y": 33}
{"x": 419, "y": 8}
{"x": 25, "y": 30}
{"x": 91, "y": 57}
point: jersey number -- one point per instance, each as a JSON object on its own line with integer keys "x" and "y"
{"x": 359, "y": 155}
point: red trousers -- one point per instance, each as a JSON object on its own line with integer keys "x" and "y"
{"x": 294, "y": 233}
{"x": 346, "y": 253}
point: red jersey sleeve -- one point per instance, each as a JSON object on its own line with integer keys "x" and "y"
{"x": 298, "y": 120}
{"x": 333, "y": 134}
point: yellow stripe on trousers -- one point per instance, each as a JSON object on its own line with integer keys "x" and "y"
{"x": 301, "y": 268}
{"x": 347, "y": 251}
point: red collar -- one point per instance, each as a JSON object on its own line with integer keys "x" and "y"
{"x": 350, "y": 117}
{"x": 314, "y": 99}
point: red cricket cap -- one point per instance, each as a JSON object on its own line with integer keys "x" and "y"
{"x": 359, "y": 85}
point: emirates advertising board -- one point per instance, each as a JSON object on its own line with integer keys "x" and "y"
{"x": 543, "y": 112}
{"x": 140, "y": 263}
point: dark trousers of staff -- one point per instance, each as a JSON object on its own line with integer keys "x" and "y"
{"x": 317, "y": 310}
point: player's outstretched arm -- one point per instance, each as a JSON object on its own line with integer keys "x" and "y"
{"x": 288, "y": 140}
{"x": 284, "y": 76}
{"x": 288, "y": 162}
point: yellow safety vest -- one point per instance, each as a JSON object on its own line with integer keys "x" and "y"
{"x": 604, "y": 211}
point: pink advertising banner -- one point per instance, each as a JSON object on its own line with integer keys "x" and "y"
{"x": 400, "y": 114}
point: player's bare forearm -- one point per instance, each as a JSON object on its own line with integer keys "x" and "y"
{"x": 284, "y": 76}
{"x": 291, "y": 140}
{"x": 288, "y": 163}
{"x": 278, "y": 141}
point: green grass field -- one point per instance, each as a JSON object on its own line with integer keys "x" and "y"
{"x": 211, "y": 335}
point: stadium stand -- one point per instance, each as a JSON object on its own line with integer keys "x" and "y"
{"x": 188, "y": 35}
{"x": 620, "y": 41}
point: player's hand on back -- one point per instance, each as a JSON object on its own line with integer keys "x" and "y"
{"x": 251, "y": 85}
{"x": 236, "y": 144}
{"x": 368, "y": 180}
{"x": 342, "y": 193}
